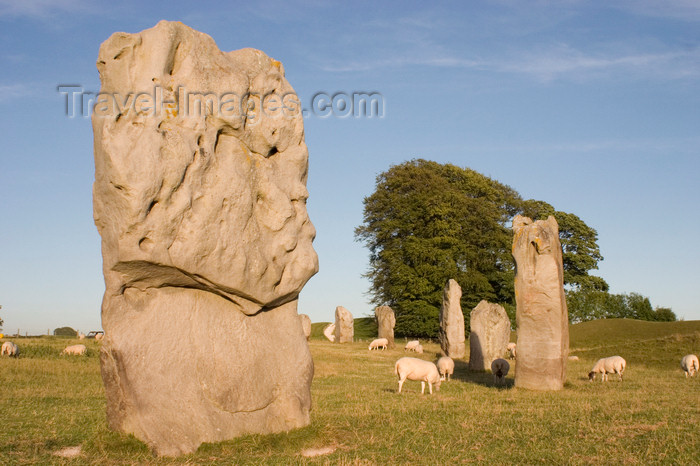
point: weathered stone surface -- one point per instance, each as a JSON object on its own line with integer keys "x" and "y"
{"x": 206, "y": 242}
{"x": 385, "y": 324}
{"x": 451, "y": 333}
{"x": 305, "y": 325}
{"x": 344, "y": 325}
{"x": 329, "y": 332}
{"x": 542, "y": 318}
{"x": 489, "y": 335}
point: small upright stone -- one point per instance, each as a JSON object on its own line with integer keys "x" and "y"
{"x": 306, "y": 325}
{"x": 385, "y": 324}
{"x": 329, "y": 332}
{"x": 490, "y": 332}
{"x": 344, "y": 325}
{"x": 542, "y": 318}
{"x": 452, "y": 321}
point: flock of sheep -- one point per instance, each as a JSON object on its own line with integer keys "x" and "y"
{"x": 434, "y": 374}
{"x": 11, "y": 349}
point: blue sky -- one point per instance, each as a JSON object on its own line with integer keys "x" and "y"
{"x": 590, "y": 106}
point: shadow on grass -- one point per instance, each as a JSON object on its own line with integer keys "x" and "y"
{"x": 464, "y": 374}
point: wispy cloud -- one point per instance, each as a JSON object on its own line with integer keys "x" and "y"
{"x": 548, "y": 64}
{"x": 40, "y": 9}
{"x": 13, "y": 91}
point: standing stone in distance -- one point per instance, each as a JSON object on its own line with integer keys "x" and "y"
{"x": 206, "y": 241}
{"x": 452, "y": 321}
{"x": 542, "y": 318}
{"x": 489, "y": 335}
{"x": 305, "y": 325}
{"x": 385, "y": 324}
{"x": 344, "y": 325}
{"x": 329, "y": 332}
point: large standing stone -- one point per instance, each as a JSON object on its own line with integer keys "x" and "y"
{"x": 344, "y": 325}
{"x": 206, "y": 241}
{"x": 385, "y": 324}
{"x": 489, "y": 335}
{"x": 451, "y": 333}
{"x": 305, "y": 325}
{"x": 543, "y": 323}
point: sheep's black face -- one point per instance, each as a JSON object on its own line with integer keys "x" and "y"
{"x": 590, "y": 376}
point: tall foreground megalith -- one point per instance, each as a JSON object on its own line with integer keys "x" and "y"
{"x": 206, "y": 241}
{"x": 489, "y": 334}
{"x": 451, "y": 332}
{"x": 542, "y": 318}
{"x": 386, "y": 320}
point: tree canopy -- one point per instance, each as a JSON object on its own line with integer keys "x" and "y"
{"x": 428, "y": 222}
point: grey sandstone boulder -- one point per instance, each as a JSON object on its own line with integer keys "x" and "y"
{"x": 344, "y": 325}
{"x": 385, "y": 324}
{"x": 489, "y": 335}
{"x": 305, "y": 325}
{"x": 206, "y": 241}
{"x": 451, "y": 333}
{"x": 542, "y": 318}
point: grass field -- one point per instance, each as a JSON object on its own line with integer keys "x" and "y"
{"x": 49, "y": 402}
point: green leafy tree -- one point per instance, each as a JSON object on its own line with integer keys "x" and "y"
{"x": 427, "y": 222}
{"x": 65, "y": 332}
{"x": 589, "y": 304}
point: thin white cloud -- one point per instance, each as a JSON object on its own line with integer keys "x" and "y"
{"x": 13, "y": 91}
{"x": 40, "y": 9}
{"x": 549, "y": 64}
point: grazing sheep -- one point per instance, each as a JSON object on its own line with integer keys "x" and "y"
{"x": 419, "y": 349}
{"x": 417, "y": 369}
{"x": 613, "y": 364}
{"x": 411, "y": 345}
{"x": 379, "y": 343}
{"x": 690, "y": 364}
{"x": 573, "y": 358}
{"x": 9, "y": 349}
{"x": 446, "y": 367}
{"x": 499, "y": 369}
{"x": 511, "y": 350}
{"x": 77, "y": 350}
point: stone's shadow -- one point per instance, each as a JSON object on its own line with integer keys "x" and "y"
{"x": 463, "y": 374}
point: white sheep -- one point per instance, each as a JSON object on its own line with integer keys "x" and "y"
{"x": 379, "y": 343}
{"x": 411, "y": 345}
{"x": 446, "y": 367}
{"x": 9, "y": 349}
{"x": 77, "y": 350}
{"x": 605, "y": 366}
{"x": 511, "y": 350}
{"x": 417, "y": 369}
{"x": 499, "y": 369}
{"x": 419, "y": 349}
{"x": 690, "y": 365}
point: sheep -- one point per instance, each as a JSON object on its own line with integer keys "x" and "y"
{"x": 511, "y": 350}
{"x": 613, "y": 364}
{"x": 573, "y": 358}
{"x": 499, "y": 369}
{"x": 81, "y": 336}
{"x": 77, "y": 350}
{"x": 417, "y": 369}
{"x": 690, "y": 364}
{"x": 379, "y": 343}
{"x": 419, "y": 349}
{"x": 9, "y": 349}
{"x": 446, "y": 367}
{"x": 411, "y": 345}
